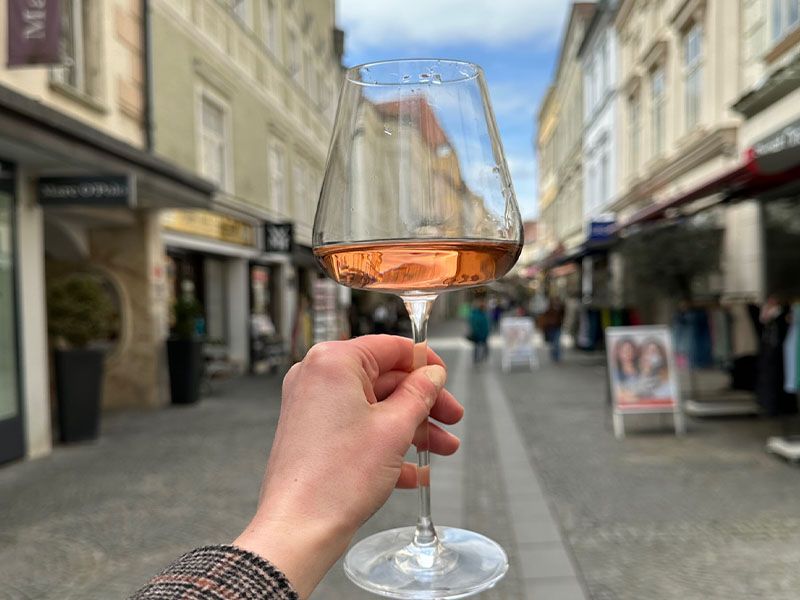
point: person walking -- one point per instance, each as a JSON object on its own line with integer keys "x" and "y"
{"x": 551, "y": 323}
{"x": 479, "y": 331}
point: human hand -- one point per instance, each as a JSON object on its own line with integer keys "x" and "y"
{"x": 348, "y": 416}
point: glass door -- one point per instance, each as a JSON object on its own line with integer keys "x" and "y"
{"x": 12, "y": 444}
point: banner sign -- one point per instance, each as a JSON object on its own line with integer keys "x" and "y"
{"x": 34, "y": 32}
{"x": 278, "y": 237}
{"x": 103, "y": 190}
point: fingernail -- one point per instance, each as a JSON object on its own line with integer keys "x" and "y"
{"x": 436, "y": 374}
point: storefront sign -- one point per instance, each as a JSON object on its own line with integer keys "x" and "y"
{"x": 278, "y": 237}
{"x": 780, "y": 150}
{"x": 109, "y": 190}
{"x": 34, "y": 32}
{"x": 211, "y": 225}
{"x": 601, "y": 230}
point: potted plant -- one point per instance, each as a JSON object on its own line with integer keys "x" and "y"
{"x": 80, "y": 317}
{"x": 185, "y": 349}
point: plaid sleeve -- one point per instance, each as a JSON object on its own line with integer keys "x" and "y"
{"x": 218, "y": 573}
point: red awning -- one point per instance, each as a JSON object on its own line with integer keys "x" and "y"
{"x": 747, "y": 179}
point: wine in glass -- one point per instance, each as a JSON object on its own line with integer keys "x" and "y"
{"x": 417, "y": 200}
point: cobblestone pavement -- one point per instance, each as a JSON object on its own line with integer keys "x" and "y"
{"x": 95, "y": 521}
{"x": 709, "y": 516}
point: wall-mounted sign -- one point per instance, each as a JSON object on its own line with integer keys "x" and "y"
{"x": 212, "y": 225}
{"x": 779, "y": 150}
{"x": 278, "y": 237}
{"x": 601, "y": 229}
{"x": 34, "y": 32}
{"x": 101, "y": 190}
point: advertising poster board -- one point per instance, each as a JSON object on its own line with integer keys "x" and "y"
{"x": 518, "y": 342}
{"x": 642, "y": 374}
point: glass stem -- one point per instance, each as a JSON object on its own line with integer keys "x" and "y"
{"x": 419, "y": 309}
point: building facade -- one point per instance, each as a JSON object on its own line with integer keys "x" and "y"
{"x": 69, "y": 127}
{"x": 244, "y": 95}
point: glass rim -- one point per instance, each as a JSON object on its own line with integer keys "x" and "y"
{"x": 476, "y": 71}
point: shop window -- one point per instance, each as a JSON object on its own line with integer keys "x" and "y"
{"x": 79, "y": 64}
{"x": 214, "y": 145}
{"x": 693, "y": 74}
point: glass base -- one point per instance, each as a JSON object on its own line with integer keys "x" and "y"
{"x": 463, "y": 563}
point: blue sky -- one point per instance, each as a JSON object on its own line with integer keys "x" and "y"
{"x": 515, "y": 41}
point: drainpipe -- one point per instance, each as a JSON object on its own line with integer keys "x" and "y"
{"x": 147, "y": 45}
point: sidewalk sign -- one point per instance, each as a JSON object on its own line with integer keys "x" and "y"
{"x": 518, "y": 342}
{"x": 642, "y": 374}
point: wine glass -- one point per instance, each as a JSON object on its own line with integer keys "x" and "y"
{"x": 417, "y": 200}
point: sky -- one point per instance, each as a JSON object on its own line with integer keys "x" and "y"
{"x": 515, "y": 41}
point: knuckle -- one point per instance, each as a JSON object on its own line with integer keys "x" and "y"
{"x": 321, "y": 354}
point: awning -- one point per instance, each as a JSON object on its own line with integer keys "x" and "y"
{"x": 749, "y": 179}
{"x": 560, "y": 256}
{"x": 49, "y": 142}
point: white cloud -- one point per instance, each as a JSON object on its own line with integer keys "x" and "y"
{"x": 370, "y": 23}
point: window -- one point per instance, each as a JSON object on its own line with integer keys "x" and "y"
{"x": 271, "y": 26}
{"x": 75, "y": 70}
{"x": 243, "y": 11}
{"x": 785, "y": 17}
{"x": 604, "y": 178}
{"x": 634, "y": 125}
{"x": 309, "y": 73}
{"x": 277, "y": 177}
{"x": 606, "y": 68}
{"x": 213, "y": 142}
{"x": 693, "y": 74}
{"x": 657, "y": 111}
{"x": 294, "y": 55}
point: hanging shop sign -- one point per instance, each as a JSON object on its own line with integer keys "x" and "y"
{"x": 642, "y": 373}
{"x": 780, "y": 150}
{"x": 101, "y": 190}
{"x": 34, "y": 32}
{"x": 278, "y": 237}
{"x": 210, "y": 225}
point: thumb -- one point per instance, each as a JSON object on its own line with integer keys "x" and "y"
{"x": 412, "y": 400}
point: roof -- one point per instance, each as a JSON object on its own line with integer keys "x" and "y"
{"x": 423, "y": 116}
{"x": 531, "y": 231}
{"x": 579, "y": 11}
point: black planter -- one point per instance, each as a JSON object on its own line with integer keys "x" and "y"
{"x": 185, "y": 359}
{"x": 79, "y": 385}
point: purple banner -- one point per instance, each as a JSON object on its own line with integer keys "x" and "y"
{"x": 34, "y": 32}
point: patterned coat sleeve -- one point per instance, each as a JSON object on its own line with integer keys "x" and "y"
{"x": 218, "y": 573}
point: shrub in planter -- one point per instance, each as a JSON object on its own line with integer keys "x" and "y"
{"x": 80, "y": 315}
{"x": 185, "y": 351}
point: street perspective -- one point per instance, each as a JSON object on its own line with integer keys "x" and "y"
{"x": 413, "y": 299}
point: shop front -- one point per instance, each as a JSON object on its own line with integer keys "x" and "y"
{"x": 209, "y": 255}
{"x": 75, "y": 200}
{"x": 12, "y": 443}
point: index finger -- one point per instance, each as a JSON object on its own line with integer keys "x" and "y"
{"x": 390, "y": 353}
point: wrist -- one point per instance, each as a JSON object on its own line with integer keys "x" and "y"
{"x": 303, "y": 550}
